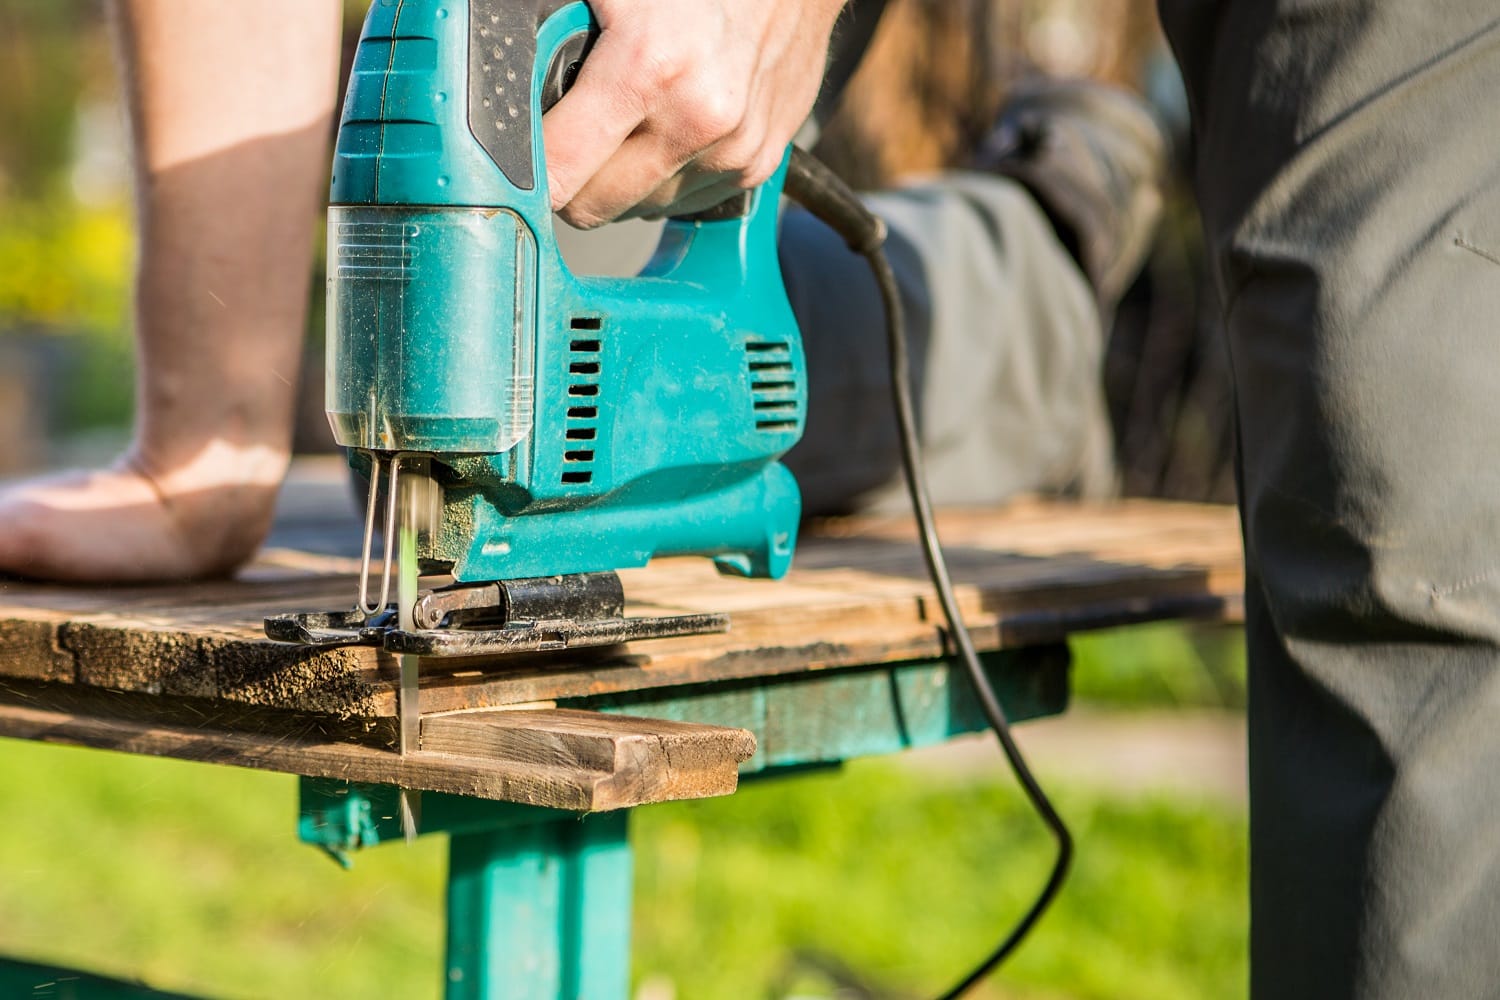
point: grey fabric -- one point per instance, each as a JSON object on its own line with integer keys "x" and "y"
{"x": 1006, "y": 351}
{"x": 1006, "y": 342}
{"x": 1348, "y": 167}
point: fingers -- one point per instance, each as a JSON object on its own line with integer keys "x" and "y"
{"x": 633, "y": 174}
{"x": 681, "y": 104}
{"x": 647, "y": 104}
{"x": 591, "y": 122}
{"x": 639, "y": 83}
{"x": 630, "y": 185}
{"x": 655, "y": 173}
{"x": 677, "y": 197}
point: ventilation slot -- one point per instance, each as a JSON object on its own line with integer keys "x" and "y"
{"x": 584, "y": 367}
{"x": 773, "y": 386}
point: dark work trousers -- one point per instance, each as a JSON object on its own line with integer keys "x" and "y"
{"x": 1348, "y": 168}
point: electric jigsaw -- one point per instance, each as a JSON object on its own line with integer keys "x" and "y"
{"x": 528, "y": 431}
{"x": 531, "y": 430}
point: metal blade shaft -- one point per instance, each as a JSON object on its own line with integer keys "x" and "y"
{"x": 408, "y": 696}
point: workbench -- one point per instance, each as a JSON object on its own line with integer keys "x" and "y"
{"x": 532, "y": 763}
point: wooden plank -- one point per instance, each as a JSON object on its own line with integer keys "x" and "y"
{"x": 682, "y": 662}
{"x": 199, "y": 713}
{"x": 29, "y": 650}
{"x": 646, "y": 760}
{"x": 806, "y": 718}
{"x": 559, "y": 758}
{"x": 1029, "y": 574}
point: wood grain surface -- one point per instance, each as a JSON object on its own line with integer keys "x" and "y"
{"x": 185, "y": 670}
{"x": 562, "y": 759}
{"x": 1029, "y": 574}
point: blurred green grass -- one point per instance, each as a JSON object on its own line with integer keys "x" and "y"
{"x": 189, "y": 876}
{"x": 1167, "y": 665}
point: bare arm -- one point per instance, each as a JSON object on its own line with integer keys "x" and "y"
{"x": 230, "y": 107}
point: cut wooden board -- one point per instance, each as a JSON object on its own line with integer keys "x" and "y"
{"x": 558, "y": 758}
{"x": 1029, "y": 574}
{"x": 636, "y": 760}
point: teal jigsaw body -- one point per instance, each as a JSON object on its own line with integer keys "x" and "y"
{"x": 576, "y": 424}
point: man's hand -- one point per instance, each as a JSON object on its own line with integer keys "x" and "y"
{"x": 683, "y": 103}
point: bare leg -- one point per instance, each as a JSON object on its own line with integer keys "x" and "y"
{"x": 231, "y": 107}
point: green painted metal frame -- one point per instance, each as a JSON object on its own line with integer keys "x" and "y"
{"x": 541, "y": 911}
{"x": 539, "y": 899}
{"x": 35, "y": 981}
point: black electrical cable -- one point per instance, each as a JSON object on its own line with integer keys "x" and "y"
{"x": 818, "y": 190}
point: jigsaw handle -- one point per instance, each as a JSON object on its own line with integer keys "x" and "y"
{"x": 717, "y": 248}
{"x": 445, "y": 106}
{"x": 445, "y": 279}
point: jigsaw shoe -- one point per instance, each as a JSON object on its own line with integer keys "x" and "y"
{"x": 1094, "y": 157}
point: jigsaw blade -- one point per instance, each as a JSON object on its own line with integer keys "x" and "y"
{"x": 412, "y": 493}
{"x": 408, "y": 708}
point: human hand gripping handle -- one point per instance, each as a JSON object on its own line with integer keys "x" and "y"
{"x": 681, "y": 104}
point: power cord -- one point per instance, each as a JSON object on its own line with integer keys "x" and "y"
{"x": 816, "y": 188}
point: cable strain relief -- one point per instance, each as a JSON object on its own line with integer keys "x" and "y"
{"x": 829, "y": 199}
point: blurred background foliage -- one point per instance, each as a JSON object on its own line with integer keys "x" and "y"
{"x": 47, "y": 48}
{"x": 191, "y": 877}
{"x": 65, "y": 232}
{"x": 62, "y": 263}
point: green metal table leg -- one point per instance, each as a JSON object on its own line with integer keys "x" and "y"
{"x": 538, "y": 899}
{"x": 541, "y": 911}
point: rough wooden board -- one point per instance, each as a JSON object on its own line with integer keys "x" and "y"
{"x": 1155, "y": 533}
{"x": 29, "y": 649}
{"x": 1031, "y": 573}
{"x": 83, "y": 700}
{"x": 647, "y": 760}
{"x": 680, "y": 662}
{"x": 560, "y": 758}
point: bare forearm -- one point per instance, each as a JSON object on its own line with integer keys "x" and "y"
{"x": 230, "y": 111}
